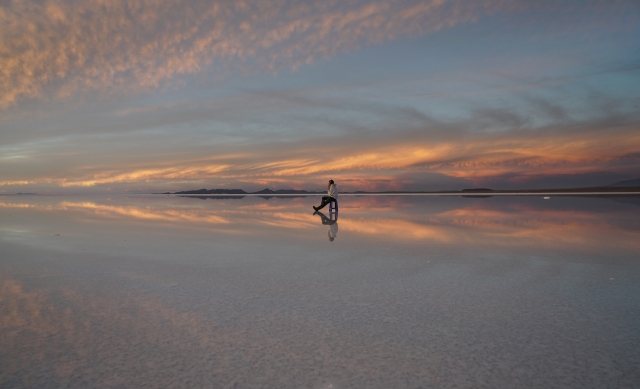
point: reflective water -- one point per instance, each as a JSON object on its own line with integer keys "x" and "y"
{"x": 396, "y": 292}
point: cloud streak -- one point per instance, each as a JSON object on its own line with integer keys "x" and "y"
{"x": 518, "y": 155}
{"x": 55, "y": 48}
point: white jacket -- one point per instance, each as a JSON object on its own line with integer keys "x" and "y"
{"x": 333, "y": 191}
{"x": 333, "y": 230}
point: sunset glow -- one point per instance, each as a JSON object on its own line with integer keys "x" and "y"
{"x": 146, "y": 96}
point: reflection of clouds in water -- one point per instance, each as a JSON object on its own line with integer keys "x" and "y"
{"x": 172, "y": 215}
{"x": 283, "y": 219}
{"x": 395, "y": 229}
{"x": 508, "y": 222}
{"x": 531, "y": 226}
{"x": 373, "y": 311}
{"x": 91, "y": 331}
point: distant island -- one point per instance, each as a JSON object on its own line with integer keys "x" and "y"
{"x": 211, "y": 191}
{"x": 617, "y": 187}
{"x": 265, "y": 191}
{"x": 625, "y": 184}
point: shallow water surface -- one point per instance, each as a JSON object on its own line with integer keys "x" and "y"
{"x": 394, "y": 292}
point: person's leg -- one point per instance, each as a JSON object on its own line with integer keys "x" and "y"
{"x": 325, "y": 201}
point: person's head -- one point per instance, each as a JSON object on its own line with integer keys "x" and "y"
{"x": 331, "y": 182}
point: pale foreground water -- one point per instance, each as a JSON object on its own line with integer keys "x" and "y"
{"x": 413, "y": 292}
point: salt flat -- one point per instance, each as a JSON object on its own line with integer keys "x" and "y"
{"x": 446, "y": 292}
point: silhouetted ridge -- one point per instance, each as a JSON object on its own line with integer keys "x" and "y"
{"x": 265, "y": 191}
{"x": 618, "y": 187}
{"x": 268, "y": 191}
{"x": 623, "y": 184}
{"x": 213, "y": 191}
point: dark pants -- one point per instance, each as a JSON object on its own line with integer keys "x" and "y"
{"x": 326, "y": 200}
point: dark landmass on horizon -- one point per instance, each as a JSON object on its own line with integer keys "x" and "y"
{"x": 621, "y": 187}
{"x": 211, "y": 191}
{"x": 630, "y": 183}
{"x": 216, "y": 197}
{"x": 236, "y": 197}
{"x": 265, "y": 191}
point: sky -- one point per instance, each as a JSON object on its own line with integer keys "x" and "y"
{"x": 165, "y": 95}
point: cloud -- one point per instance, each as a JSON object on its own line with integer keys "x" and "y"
{"x": 59, "y": 47}
{"x": 145, "y": 175}
{"x": 299, "y": 138}
{"x": 397, "y": 160}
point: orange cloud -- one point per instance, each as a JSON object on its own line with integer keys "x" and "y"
{"x": 472, "y": 157}
{"x": 146, "y": 175}
{"x": 138, "y": 175}
{"x": 63, "y": 46}
{"x": 541, "y": 153}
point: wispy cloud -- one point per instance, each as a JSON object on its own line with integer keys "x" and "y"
{"x": 58, "y": 47}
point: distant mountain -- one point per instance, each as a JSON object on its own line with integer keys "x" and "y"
{"x": 265, "y": 191}
{"x": 213, "y": 191}
{"x": 268, "y": 191}
{"x": 216, "y": 197}
{"x": 623, "y": 184}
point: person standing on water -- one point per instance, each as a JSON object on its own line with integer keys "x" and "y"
{"x": 332, "y": 193}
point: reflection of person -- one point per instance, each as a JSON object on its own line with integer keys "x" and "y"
{"x": 332, "y": 195}
{"x": 333, "y": 224}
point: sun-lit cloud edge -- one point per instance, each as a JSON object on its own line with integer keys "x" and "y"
{"x": 474, "y": 158}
